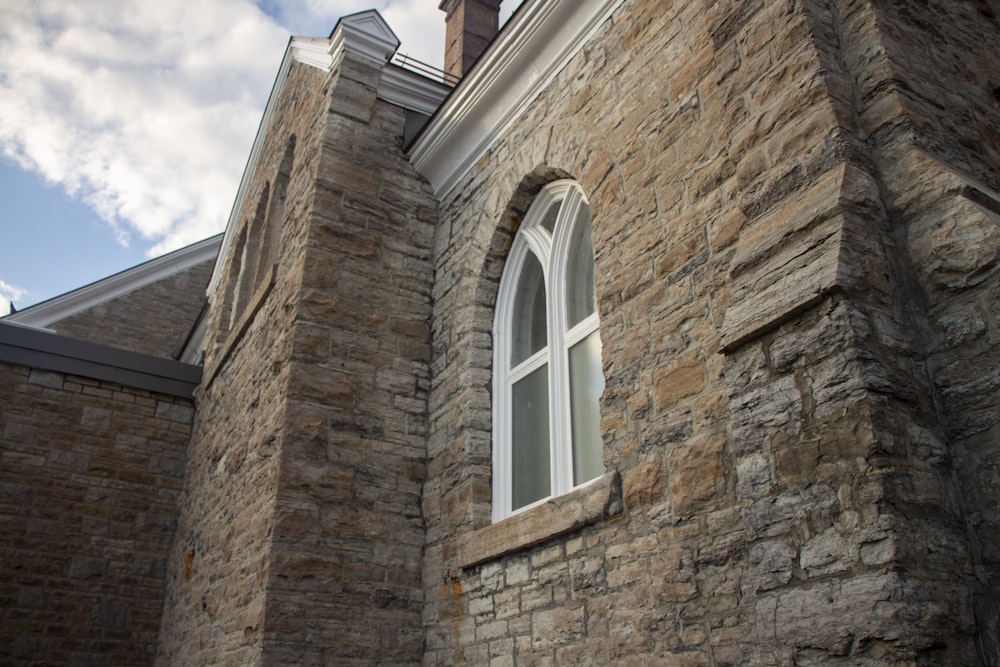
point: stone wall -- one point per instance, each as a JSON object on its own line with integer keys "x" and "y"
{"x": 344, "y": 585}
{"x": 90, "y": 472}
{"x": 219, "y": 565}
{"x": 930, "y": 106}
{"x": 155, "y": 319}
{"x": 784, "y": 466}
{"x": 300, "y": 535}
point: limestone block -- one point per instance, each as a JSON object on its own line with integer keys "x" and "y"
{"x": 774, "y": 280}
{"x": 674, "y": 384}
{"x": 696, "y": 474}
{"x": 825, "y": 553}
{"x": 643, "y": 484}
{"x": 753, "y": 476}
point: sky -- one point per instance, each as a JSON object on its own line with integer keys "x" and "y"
{"x": 125, "y": 125}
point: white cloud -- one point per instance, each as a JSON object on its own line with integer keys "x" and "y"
{"x": 9, "y": 293}
{"x": 142, "y": 112}
{"x": 146, "y": 109}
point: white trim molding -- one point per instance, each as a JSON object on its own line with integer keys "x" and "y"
{"x": 412, "y": 91}
{"x": 548, "y": 248}
{"x": 310, "y": 55}
{"x": 49, "y": 312}
{"x": 541, "y": 37}
{"x": 366, "y": 35}
{"x": 312, "y": 51}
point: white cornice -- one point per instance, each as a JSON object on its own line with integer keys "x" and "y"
{"x": 411, "y": 91}
{"x": 312, "y": 51}
{"x": 365, "y": 34}
{"x": 540, "y": 39}
{"x": 59, "y": 308}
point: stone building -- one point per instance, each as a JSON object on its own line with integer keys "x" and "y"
{"x": 667, "y": 336}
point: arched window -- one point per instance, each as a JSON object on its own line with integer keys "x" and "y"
{"x": 250, "y": 237}
{"x": 275, "y": 215}
{"x": 547, "y": 378}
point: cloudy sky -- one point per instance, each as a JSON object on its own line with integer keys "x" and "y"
{"x": 125, "y": 124}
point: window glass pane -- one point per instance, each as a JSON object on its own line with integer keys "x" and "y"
{"x": 549, "y": 221}
{"x": 530, "y": 438}
{"x": 586, "y": 381}
{"x": 528, "y": 324}
{"x": 580, "y": 271}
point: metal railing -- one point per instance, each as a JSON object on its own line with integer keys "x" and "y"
{"x": 423, "y": 69}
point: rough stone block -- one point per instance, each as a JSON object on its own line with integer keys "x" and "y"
{"x": 696, "y": 474}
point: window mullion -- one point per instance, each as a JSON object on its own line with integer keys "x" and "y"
{"x": 562, "y": 459}
{"x": 529, "y": 365}
{"x": 583, "y": 329}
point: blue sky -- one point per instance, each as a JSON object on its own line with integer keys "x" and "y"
{"x": 125, "y": 124}
{"x": 51, "y": 243}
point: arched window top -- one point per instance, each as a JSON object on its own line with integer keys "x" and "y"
{"x": 547, "y": 356}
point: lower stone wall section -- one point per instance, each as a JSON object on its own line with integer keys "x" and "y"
{"x": 89, "y": 475}
{"x": 769, "y": 545}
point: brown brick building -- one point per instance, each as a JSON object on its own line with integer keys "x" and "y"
{"x": 667, "y": 336}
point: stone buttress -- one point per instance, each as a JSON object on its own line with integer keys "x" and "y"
{"x": 301, "y": 534}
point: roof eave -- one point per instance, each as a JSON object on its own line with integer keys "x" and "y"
{"x": 538, "y": 41}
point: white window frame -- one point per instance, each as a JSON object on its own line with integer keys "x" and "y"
{"x": 552, "y": 253}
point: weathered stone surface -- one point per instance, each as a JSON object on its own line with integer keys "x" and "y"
{"x": 310, "y": 455}
{"x": 86, "y": 523}
{"x": 155, "y": 319}
{"x": 794, "y": 210}
{"x": 695, "y": 473}
{"x": 218, "y": 572}
{"x": 749, "y": 219}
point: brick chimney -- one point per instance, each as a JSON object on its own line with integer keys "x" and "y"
{"x": 469, "y": 27}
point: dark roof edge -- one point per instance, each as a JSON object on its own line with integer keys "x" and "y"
{"x": 40, "y": 349}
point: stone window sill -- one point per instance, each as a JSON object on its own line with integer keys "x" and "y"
{"x": 589, "y": 504}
